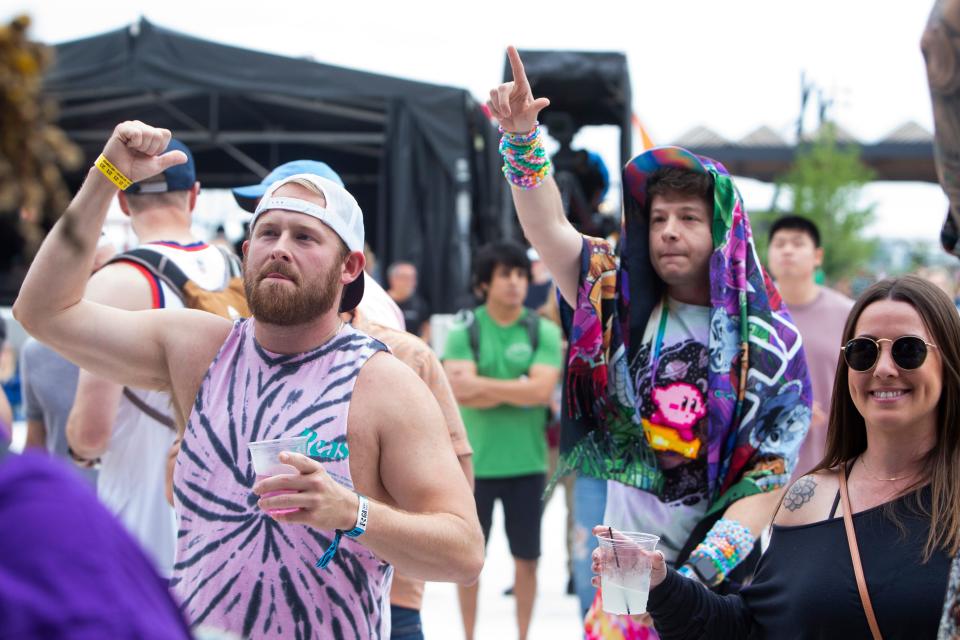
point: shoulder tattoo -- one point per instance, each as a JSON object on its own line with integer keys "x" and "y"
{"x": 800, "y": 493}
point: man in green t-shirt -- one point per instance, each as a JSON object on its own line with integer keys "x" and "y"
{"x": 503, "y": 371}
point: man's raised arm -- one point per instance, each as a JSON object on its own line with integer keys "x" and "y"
{"x": 540, "y": 208}
{"x": 122, "y": 345}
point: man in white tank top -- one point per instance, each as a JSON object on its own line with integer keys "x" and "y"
{"x": 126, "y": 429}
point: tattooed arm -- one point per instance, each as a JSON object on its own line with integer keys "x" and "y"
{"x": 941, "y": 50}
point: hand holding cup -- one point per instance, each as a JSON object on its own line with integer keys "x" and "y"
{"x": 628, "y": 566}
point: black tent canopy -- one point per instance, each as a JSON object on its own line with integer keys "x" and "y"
{"x": 420, "y": 158}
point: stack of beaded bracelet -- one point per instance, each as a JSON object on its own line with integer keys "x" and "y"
{"x": 525, "y": 162}
{"x": 726, "y": 545}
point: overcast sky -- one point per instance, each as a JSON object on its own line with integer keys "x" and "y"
{"x": 729, "y": 66}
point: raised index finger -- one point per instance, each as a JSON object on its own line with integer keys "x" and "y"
{"x": 516, "y": 66}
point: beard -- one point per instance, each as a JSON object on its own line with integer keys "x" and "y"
{"x": 284, "y": 305}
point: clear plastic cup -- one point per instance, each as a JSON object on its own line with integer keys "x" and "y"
{"x": 625, "y": 570}
{"x": 266, "y": 461}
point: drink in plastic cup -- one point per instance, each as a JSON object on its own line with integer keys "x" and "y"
{"x": 625, "y": 571}
{"x": 266, "y": 461}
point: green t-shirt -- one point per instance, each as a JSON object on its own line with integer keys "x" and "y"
{"x": 507, "y": 440}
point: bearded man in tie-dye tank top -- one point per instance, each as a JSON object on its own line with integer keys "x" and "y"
{"x": 376, "y": 434}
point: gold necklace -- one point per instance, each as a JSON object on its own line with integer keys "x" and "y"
{"x": 867, "y": 469}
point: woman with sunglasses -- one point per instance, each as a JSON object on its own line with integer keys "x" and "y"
{"x": 894, "y": 441}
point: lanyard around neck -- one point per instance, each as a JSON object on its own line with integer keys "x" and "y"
{"x": 658, "y": 342}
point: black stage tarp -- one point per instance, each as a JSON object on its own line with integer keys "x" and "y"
{"x": 420, "y": 158}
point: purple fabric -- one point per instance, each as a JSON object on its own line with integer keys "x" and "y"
{"x": 68, "y": 569}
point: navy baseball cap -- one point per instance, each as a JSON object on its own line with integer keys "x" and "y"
{"x": 179, "y": 177}
{"x": 247, "y": 197}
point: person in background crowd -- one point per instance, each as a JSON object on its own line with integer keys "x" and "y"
{"x": 49, "y": 385}
{"x": 402, "y": 287}
{"x": 794, "y": 254}
{"x": 503, "y": 365}
{"x": 541, "y": 284}
{"x": 551, "y": 311}
{"x": 406, "y": 594}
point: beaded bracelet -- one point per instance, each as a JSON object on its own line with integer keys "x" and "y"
{"x": 525, "y": 161}
{"x": 725, "y": 546}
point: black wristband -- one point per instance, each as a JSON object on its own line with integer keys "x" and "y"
{"x": 86, "y": 463}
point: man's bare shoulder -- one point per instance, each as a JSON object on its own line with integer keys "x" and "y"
{"x": 808, "y": 500}
{"x": 192, "y": 339}
{"x": 390, "y": 393}
{"x": 385, "y": 375}
{"x": 120, "y": 285}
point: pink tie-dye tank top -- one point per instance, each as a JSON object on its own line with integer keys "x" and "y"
{"x": 236, "y": 568}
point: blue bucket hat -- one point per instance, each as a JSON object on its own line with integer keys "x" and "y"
{"x": 247, "y": 197}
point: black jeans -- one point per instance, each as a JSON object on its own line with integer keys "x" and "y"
{"x": 405, "y": 624}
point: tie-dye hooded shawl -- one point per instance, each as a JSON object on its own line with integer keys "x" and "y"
{"x": 757, "y": 380}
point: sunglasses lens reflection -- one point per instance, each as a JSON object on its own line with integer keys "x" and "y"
{"x": 860, "y": 354}
{"x": 908, "y": 352}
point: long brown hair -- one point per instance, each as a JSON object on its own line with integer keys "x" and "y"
{"x": 847, "y": 433}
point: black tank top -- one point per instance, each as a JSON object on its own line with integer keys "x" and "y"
{"x": 805, "y": 587}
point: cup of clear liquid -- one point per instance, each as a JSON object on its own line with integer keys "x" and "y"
{"x": 266, "y": 460}
{"x": 625, "y": 570}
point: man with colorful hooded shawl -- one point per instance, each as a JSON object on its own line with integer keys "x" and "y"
{"x": 694, "y": 413}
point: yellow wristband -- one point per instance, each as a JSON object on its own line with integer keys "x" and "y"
{"x": 113, "y": 174}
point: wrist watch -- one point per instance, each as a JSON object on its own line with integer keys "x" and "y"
{"x": 705, "y": 570}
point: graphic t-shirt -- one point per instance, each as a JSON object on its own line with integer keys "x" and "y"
{"x": 673, "y": 409}
{"x": 507, "y": 440}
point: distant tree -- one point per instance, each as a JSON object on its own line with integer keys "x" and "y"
{"x": 33, "y": 154}
{"x": 825, "y": 185}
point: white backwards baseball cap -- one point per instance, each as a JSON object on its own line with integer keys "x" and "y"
{"x": 342, "y": 214}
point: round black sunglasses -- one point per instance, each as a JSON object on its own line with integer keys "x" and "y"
{"x": 862, "y": 354}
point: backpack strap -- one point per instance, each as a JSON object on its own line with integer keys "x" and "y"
{"x": 234, "y": 266}
{"x": 165, "y": 269}
{"x": 159, "y": 265}
{"x": 473, "y": 330}
{"x": 532, "y": 323}
{"x": 140, "y": 404}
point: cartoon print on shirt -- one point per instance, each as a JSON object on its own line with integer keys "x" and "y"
{"x": 783, "y": 422}
{"x": 679, "y": 405}
{"x": 674, "y": 411}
